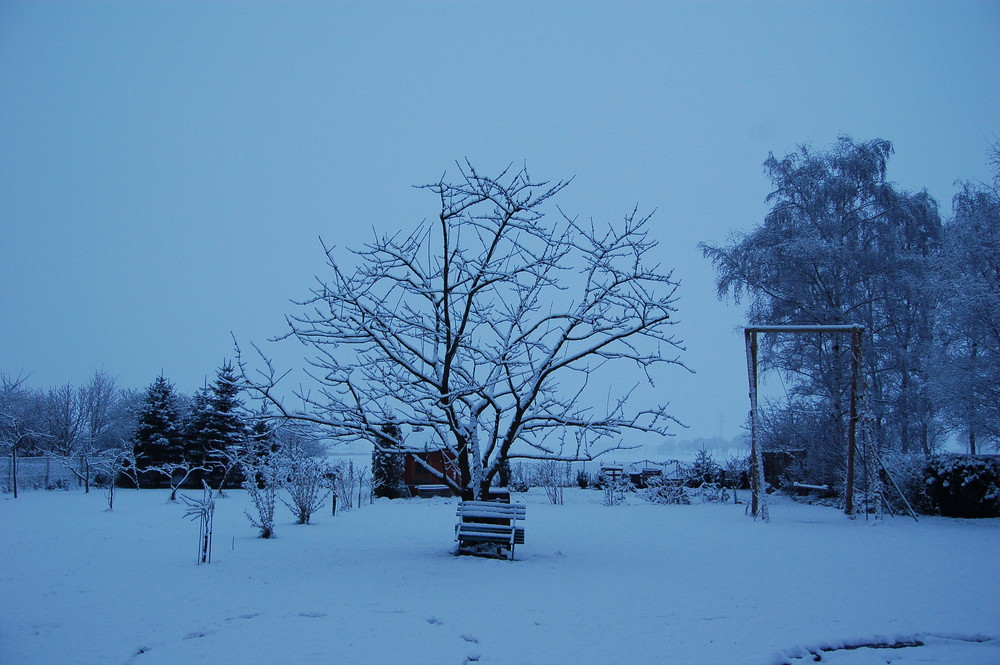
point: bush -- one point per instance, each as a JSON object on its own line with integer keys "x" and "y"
{"x": 964, "y": 485}
{"x": 662, "y": 491}
{"x": 908, "y": 471}
{"x": 736, "y": 473}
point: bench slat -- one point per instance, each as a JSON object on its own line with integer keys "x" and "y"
{"x": 489, "y": 532}
{"x": 484, "y": 509}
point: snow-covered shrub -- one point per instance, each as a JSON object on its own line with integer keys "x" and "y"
{"x": 616, "y": 489}
{"x": 711, "y": 493}
{"x": 262, "y": 480}
{"x": 665, "y": 491}
{"x": 964, "y": 485}
{"x": 583, "y": 479}
{"x": 908, "y": 473}
{"x": 736, "y": 472}
{"x": 668, "y": 491}
{"x": 346, "y": 480}
{"x": 519, "y": 477}
{"x": 305, "y": 482}
{"x": 553, "y": 477}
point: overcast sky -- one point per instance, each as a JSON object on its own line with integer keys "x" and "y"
{"x": 166, "y": 168}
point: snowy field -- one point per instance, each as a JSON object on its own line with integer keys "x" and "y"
{"x": 636, "y": 583}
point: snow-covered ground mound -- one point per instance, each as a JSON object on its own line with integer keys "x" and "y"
{"x": 634, "y": 583}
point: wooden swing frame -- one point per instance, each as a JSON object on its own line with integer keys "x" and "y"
{"x": 758, "y": 506}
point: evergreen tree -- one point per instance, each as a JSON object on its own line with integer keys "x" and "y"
{"x": 387, "y": 467}
{"x": 158, "y": 438}
{"x": 704, "y": 469}
{"x": 196, "y": 426}
{"x": 216, "y": 430}
{"x": 261, "y": 439}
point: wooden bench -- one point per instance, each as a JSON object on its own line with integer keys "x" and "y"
{"x": 428, "y": 491}
{"x": 488, "y": 523}
{"x": 824, "y": 491}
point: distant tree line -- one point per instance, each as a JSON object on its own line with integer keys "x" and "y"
{"x": 157, "y": 437}
{"x": 842, "y": 244}
{"x": 72, "y": 424}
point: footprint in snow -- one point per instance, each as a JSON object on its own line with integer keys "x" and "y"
{"x": 250, "y": 615}
{"x": 434, "y": 621}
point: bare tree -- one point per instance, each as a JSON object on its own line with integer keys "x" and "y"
{"x": 63, "y": 417}
{"x": 114, "y": 463}
{"x": 16, "y": 426}
{"x": 492, "y": 329}
{"x": 99, "y": 400}
{"x": 176, "y": 473}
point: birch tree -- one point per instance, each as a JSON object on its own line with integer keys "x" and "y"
{"x": 496, "y": 331}
{"x": 968, "y": 378}
{"x": 100, "y": 409}
{"x": 842, "y": 245}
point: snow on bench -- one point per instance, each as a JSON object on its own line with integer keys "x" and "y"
{"x": 489, "y": 523}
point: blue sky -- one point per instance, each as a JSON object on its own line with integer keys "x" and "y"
{"x": 166, "y": 168}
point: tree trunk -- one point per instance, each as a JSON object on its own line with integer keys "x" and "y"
{"x": 13, "y": 467}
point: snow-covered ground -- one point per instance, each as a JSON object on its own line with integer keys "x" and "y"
{"x": 635, "y": 583}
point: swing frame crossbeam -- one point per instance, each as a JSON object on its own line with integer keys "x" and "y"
{"x": 758, "y": 497}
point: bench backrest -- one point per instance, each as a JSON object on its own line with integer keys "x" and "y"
{"x": 490, "y": 509}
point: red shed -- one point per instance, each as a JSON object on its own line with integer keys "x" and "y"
{"x": 421, "y": 482}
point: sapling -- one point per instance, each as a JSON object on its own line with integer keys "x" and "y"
{"x": 550, "y": 475}
{"x": 202, "y": 510}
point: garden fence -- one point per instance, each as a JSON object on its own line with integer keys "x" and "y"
{"x": 36, "y": 473}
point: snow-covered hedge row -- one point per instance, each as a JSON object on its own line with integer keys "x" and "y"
{"x": 964, "y": 485}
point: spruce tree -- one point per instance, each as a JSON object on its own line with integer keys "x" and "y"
{"x": 261, "y": 441}
{"x": 217, "y": 431}
{"x": 196, "y": 428}
{"x": 387, "y": 467}
{"x": 158, "y": 438}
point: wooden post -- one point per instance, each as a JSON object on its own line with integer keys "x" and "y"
{"x": 758, "y": 500}
{"x": 852, "y": 423}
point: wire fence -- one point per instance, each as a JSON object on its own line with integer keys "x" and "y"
{"x": 36, "y": 473}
